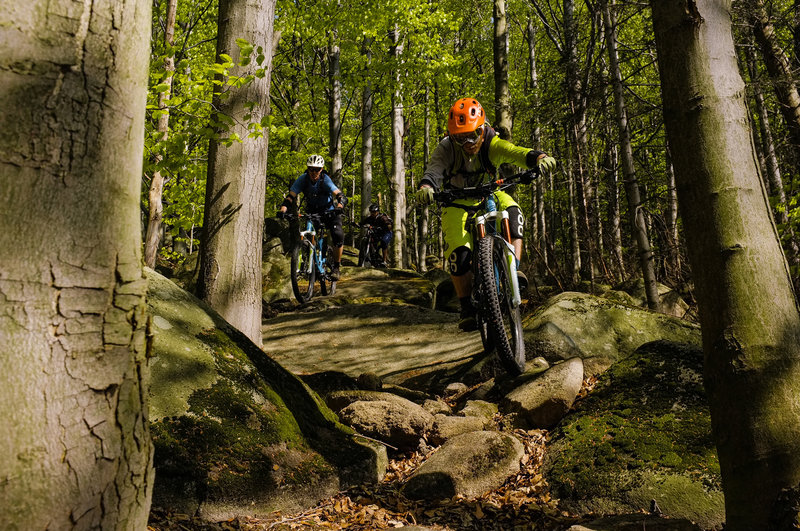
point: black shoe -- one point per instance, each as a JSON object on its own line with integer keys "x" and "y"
{"x": 523, "y": 282}
{"x": 334, "y": 272}
{"x": 468, "y": 323}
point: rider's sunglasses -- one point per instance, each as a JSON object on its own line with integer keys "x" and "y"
{"x": 467, "y": 138}
{"x": 314, "y": 170}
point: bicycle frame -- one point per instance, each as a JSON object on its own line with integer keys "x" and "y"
{"x": 318, "y": 243}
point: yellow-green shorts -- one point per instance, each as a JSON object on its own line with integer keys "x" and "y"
{"x": 454, "y": 220}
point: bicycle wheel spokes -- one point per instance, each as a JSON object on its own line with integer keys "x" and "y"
{"x": 303, "y": 271}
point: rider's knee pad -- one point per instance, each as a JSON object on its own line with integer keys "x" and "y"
{"x": 515, "y": 221}
{"x": 459, "y": 261}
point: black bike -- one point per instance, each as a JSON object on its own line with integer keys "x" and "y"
{"x": 369, "y": 253}
{"x": 312, "y": 259}
{"x": 495, "y": 288}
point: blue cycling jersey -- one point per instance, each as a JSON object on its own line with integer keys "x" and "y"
{"x": 319, "y": 195}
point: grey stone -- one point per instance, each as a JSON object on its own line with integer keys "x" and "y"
{"x": 543, "y": 402}
{"x": 467, "y": 465}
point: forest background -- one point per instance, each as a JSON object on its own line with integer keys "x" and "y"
{"x": 368, "y": 85}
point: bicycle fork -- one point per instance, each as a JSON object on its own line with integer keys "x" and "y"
{"x": 309, "y": 234}
{"x": 500, "y": 219}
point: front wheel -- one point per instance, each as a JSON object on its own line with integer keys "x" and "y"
{"x": 303, "y": 271}
{"x": 363, "y": 249}
{"x": 503, "y": 319}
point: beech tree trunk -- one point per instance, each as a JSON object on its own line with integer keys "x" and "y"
{"x": 398, "y": 175}
{"x": 154, "y": 226}
{"x": 230, "y": 267}
{"x": 748, "y": 310}
{"x": 75, "y": 451}
{"x": 502, "y": 94}
{"x": 638, "y": 226}
{"x": 335, "y": 110}
{"x": 366, "y": 136}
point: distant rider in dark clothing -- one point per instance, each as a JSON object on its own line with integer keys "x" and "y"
{"x": 322, "y": 196}
{"x": 382, "y": 226}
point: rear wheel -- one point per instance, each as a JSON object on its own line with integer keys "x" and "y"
{"x": 303, "y": 271}
{"x": 503, "y": 321}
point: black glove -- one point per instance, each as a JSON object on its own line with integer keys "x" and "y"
{"x": 527, "y": 177}
{"x": 282, "y": 215}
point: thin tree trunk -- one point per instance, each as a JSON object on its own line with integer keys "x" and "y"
{"x": 502, "y": 94}
{"x": 424, "y": 213}
{"x": 578, "y": 130}
{"x": 366, "y": 135}
{"x": 230, "y": 266}
{"x": 153, "y": 236}
{"x": 778, "y": 66}
{"x": 614, "y": 207}
{"x": 672, "y": 220}
{"x": 398, "y": 175}
{"x": 748, "y": 310}
{"x": 638, "y": 227}
{"x": 76, "y": 451}
{"x": 335, "y": 109}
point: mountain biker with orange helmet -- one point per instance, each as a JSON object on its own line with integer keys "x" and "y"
{"x": 469, "y": 156}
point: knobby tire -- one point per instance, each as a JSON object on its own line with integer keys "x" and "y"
{"x": 504, "y": 323}
{"x": 302, "y": 278}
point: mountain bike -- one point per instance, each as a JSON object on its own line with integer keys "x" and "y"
{"x": 495, "y": 287}
{"x": 368, "y": 250}
{"x": 311, "y": 259}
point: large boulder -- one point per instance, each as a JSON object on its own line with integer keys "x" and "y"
{"x": 234, "y": 432}
{"x": 467, "y": 465}
{"x": 599, "y": 330}
{"x": 643, "y": 434}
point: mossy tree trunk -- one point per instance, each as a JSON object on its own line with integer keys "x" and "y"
{"x": 230, "y": 268}
{"x": 748, "y": 311}
{"x": 75, "y": 451}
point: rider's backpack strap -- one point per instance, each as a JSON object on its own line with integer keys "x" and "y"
{"x": 483, "y": 154}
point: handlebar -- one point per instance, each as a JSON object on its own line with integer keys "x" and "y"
{"x": 446, "y": 197}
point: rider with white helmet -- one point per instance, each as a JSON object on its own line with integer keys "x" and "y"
{"x": 321, "y": 195}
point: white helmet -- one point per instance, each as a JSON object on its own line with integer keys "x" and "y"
{"x": 315, "y": 161}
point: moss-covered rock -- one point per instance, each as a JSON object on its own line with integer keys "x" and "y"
{"x": 235, "y": 433}
{"x": 275, "y": 268}
{"x": 599, "y": 330}
{"x": 643, "y": 434}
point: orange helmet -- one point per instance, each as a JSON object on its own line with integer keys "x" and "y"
{"x": 466, "y": 115}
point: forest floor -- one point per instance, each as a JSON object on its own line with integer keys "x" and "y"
{"x": 522, "y": 502}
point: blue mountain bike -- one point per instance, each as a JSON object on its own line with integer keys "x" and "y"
{"x": 495, "y": 287}
{"x": 311, "y": 259}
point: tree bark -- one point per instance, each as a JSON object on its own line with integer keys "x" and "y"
{"x": 153, "y": 236}
{"x": 748, "y": 310}
{"x": 76, "y": 451}
{"x": 230, "y": 268}
{"x": 398, "y": 175}
{"x": 366, "y": 135}
{"x": 335, "y": 109}
{"x": 502, "y": 94}
{"x": 779, "y": 68}
{"x": 638, "y": 227}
